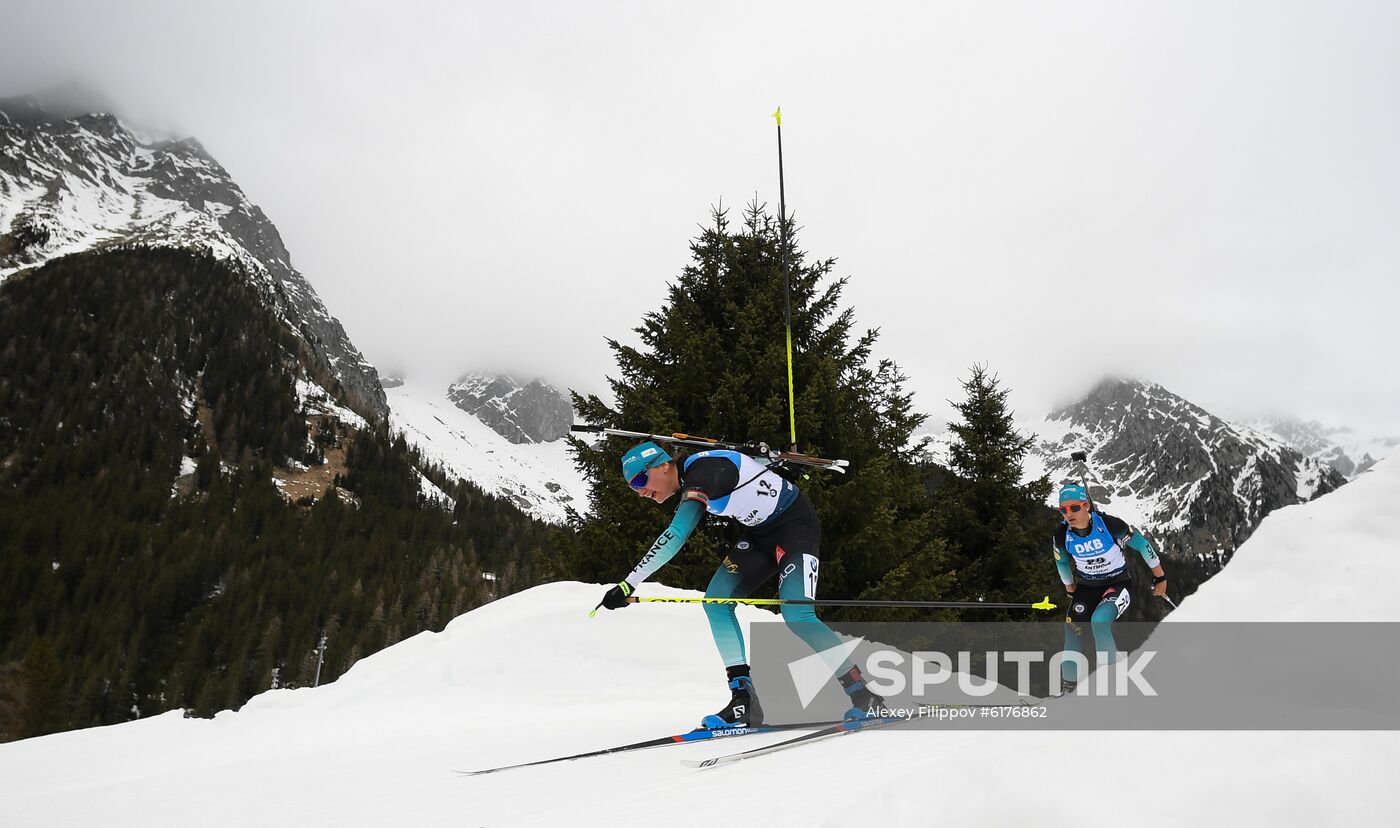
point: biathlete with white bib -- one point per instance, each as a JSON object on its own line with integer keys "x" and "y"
{"x": 1089, "y": 555}
{"x": 782, "y": 537}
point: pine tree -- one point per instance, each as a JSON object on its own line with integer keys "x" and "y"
{"x": 44, "y": 710}
{"x": 713, "y": 362}
{"x": 998, "y": 527}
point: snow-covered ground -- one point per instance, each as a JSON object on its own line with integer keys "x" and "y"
{"x": 539, "y": 478}
{"x": 532, "y": 676}
{"x": 1325, "y": 560}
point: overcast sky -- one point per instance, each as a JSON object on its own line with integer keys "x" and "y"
{"x": 1200, "y": 194}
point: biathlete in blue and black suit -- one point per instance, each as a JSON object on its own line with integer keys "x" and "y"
{"x": 782, "y": 537}
{"x": 1089, "y": 555}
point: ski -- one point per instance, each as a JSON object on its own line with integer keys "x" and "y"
{"x": 838, "y": 729}
{"x": 758, "y": 450}
{"x": 698, "y": 735}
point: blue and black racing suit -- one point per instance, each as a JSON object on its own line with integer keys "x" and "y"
{"x": 782, "y": 537}
{"x": 1094, "y": 564}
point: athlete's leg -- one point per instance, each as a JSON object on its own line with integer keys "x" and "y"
{"x": 724, "y": 627}
{"x": 1102, "y": 623}
{"x": 797, "y": 580}
{"x": 1081, "y": 609}
{"x": 740, "y": 573}
{"x": 1114, "y": 602}
{"x": 1074, "y": 643}
{"x": 796, "y": 546}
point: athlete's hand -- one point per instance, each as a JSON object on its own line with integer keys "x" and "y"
{"x": 1159, "y": 588}
{"x": 616, "y": 598}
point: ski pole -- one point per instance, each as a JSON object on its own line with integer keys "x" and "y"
{"x": 754, "y": 450}
{"x": 1080, "y": 459}
{"x": 1169, "y": 601}
{"x": 787, "y": 279}
{"x": 836, "y": 602}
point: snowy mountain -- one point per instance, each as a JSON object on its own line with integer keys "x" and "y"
{"x": 90, "y": 182}
{"x": 1342, "y": 448}
{"x": 522, "y": 412}
{"x": 71, "y": 184}
{"x": 537, "y": 476}
{"x": 530, "y": 676}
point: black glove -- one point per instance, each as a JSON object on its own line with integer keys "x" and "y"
{"x": 616, "y": 598}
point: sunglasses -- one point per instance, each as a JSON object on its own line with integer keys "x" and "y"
{"x": 1072, "y": 508}
{"x": 640, "y": 481}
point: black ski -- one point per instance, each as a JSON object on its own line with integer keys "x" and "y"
{"x": 697, "y": 735}
{"x": 837, "y": 729}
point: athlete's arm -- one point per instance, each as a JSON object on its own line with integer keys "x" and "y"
{"x": 668, "y": 543}
{"x": 1144, "y": 548}
{"x": 1139, "y": 542}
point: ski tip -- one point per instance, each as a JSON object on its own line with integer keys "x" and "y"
{"x": 700, "y": 763}
{"x": 1044, "y": 604}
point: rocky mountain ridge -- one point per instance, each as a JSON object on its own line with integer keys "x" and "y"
{"x": 85, "y": 182}
{"x": 1345, "y": 449}
{"x": 522, "y": 412}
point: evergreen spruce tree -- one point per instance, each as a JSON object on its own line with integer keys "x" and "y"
{"x": 44, "y": 710}
{"x": 999, "y": 527}
{"x": 712, "y": 361}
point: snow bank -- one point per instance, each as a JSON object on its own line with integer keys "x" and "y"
{"x": 1318, "y": 561}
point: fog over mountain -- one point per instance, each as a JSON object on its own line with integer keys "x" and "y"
{"x": 1199, "y": 193}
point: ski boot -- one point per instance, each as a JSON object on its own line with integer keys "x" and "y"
{"x": 864, "y": 703}
{"x": 1067, "y": 687}
{"x": 743, "y": 709}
